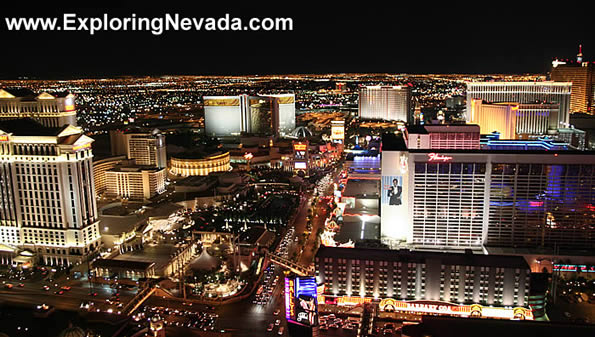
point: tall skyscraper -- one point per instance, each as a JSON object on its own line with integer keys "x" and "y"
{"x": 47, "y": 196}
{"x": 385, "y": 102}
{"x": 53, "y": 110}
{"x": 227, "y": 116}
{"x": 543, "y": 106}
{"x": 582, "y": 76}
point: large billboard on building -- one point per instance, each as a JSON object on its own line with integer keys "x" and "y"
{"x": 394, "y": 199}
{"x": 301, "y": 300}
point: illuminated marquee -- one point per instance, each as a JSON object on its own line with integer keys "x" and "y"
{"x": 436, "y": 157}
{"x": 301, "y": 305}
{"x": 81, "y": 147}
{"x": 574, "y": 268}
{"x": 300, "y": 147}
{"x": 69, "y": 104}
{"x": 445, "y": 308}
{"x": 3, "y": 138}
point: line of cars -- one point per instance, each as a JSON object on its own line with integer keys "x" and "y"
{"x": 334, "y": 322}
{"x": 265, "y": 291}
{"x": 272, "y": 326}
{"x": 181, "y": 318}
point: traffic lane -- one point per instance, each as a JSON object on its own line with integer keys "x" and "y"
{"x": 35, "y": 294}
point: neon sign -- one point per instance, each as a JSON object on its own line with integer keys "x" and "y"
{"x": 438, "y": 157}
{"x": 3, "y": 138}
{"x": 299, "y": 147}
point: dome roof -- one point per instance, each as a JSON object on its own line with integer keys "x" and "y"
{"x": 301, "y": 132}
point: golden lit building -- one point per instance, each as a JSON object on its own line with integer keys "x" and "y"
{"x": 582, "y": 76}
{"x": 198, "y": 165}
{"x": 135, "y": 183}
{"x": 490, "y": 117}
{"x": 47, "y": 194}
{"x": 100, "y": 167}
{"x": 52, "y": 110}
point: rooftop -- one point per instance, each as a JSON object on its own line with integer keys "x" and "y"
{"x": 463, "y": 259}
{"x": 28, "y": 127}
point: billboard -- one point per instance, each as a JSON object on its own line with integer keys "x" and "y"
{"x": 392, "y": 190}
{"x": 301, "y": 300}
{"x": 394, "y": 198}
{"x": 338, "y": 131}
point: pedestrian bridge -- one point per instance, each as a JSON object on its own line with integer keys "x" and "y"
{"x": 288, "y": 264}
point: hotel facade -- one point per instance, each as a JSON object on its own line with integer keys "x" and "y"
{"x": 492, "y": 199}
{"x": 47, "y": 196}
{"x": 385, "y": 102}
{"x": 425, "y": 282}
{"x": 230, "y": 116}
{"x": 543, "y": 106}
{"x": 51, "y": 110}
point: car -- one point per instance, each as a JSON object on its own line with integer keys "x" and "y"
{"x": 270, "y": 328}
{"x": 59, "y": 292}
{"x": 46, "y": 288}
{"x": 93, "y": 294}
{"x": 21, "y": 285}
{"x": 277, "y": 322}
{"x": 281, "y": 329}
{"x": 323, "y": 327}
{"x": 387, "y": 331}
{"x": 66, "y": 288}
{"x": 276, "y": 312}
{"x": 334, "y": 326}
{"x": 8, "y": 286}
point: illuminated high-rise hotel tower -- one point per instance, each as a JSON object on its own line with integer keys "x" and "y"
{"x": 47, "y": 196}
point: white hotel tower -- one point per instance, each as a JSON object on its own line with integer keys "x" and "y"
{"x": 47, "y": 196}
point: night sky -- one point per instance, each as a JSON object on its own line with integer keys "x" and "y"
{"x": 360, "y": 36}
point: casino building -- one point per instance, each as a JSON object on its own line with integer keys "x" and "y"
{"x": 496, "y": 198}
{"x": 385, "y": 102}
{"x": 459, "y": 284}
{"x": 51, "y": 110}
{"x": 196, "y": 164}
{"x": 542, "y": 106}
{"x": 231, "y": 116}
{"x": 47, "y": 196}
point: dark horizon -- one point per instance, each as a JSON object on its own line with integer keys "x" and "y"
{"x": 455, "y": 39}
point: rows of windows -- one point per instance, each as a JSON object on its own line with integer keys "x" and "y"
{"x": 408, "y": 281}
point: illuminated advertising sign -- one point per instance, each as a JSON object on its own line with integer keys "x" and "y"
{"x": 300, "y": 147}
{"x": 81, "y": 147}
{"x": 301, "y": 300}
{"x": 337, "y": 131}
{"x": 392, "y": 190}
{"x": 300, "y": 165}
{"x": 574, "y": 268}
{"x": 3, "y": 138}
{"x": 69, "y": 104}
{"x": 436, "y": 157}
{"x": 451, "y": 309}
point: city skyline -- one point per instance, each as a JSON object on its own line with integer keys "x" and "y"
{"x": 445, "y": 39}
